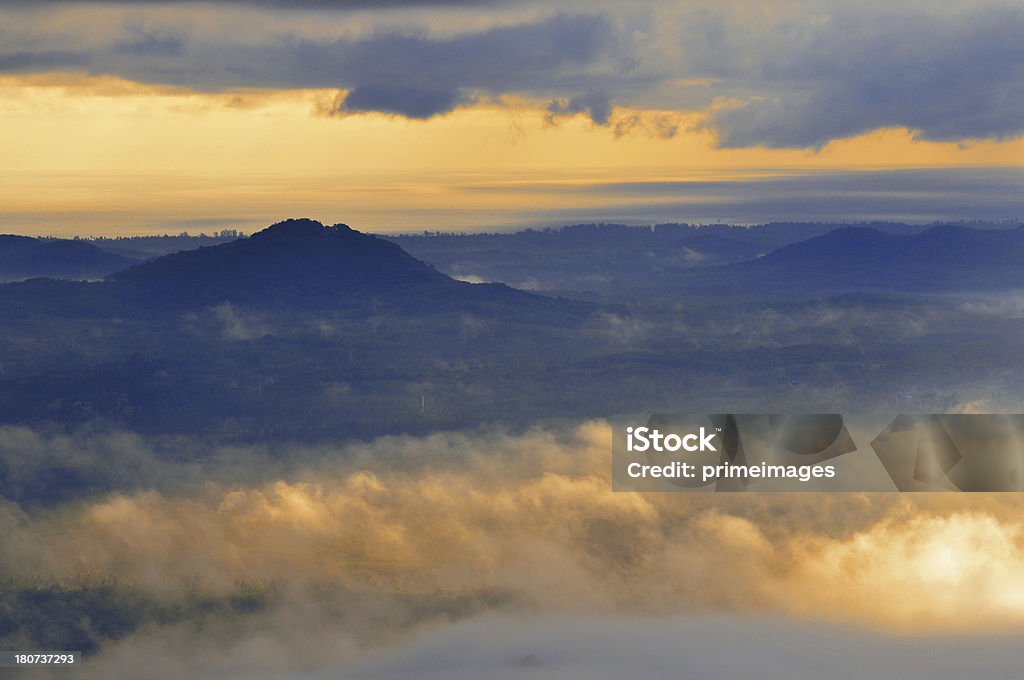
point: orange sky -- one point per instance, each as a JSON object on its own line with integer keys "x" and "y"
{"x": 166, "y": 116}
{"x": 104, "y": 155}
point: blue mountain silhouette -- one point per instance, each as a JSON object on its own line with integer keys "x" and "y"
{"x": 302, "y": 263}
{"x": 945, "y": 258}
{"x": 23, "y": 257}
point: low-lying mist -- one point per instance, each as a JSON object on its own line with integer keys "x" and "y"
{"x": 306, "y": 552}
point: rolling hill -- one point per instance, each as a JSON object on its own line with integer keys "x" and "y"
{"x": 942, "y": 259}
{"x": 23, "y": 257}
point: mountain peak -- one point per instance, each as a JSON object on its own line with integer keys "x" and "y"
{"x": 299, "y": 261}
{"x": 302, "y": 228}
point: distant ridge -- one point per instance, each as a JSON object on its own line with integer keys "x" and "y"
{"x": 944, "y": 258}
{"x": 23, "y": 257}
{"x": 301, "y": 262}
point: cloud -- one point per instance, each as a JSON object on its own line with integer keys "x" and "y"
{"x": 1002, "y": 306}
{"x": 408, "y": 73}
{"x": 141, "y": 40}
{"x": 950, "y": 77}
{"x": 297, "y": 643}
{"x": 714, "y": 648}
{"x": 616, "y": 329}
{"x": 492, "y": 554}
{"x": 15, "y": 62}
{"x": 914, "y": 196}
{"x": 420, "y": 77}
{"x": 530, "y": 516}
{"x": 238, "y": 324}
{"x": 596, "y": 105}
{"x": 409, "y": 102}
{"x": 782, "y": 77}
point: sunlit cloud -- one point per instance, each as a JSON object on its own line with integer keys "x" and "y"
{"x": 533, "y": 516}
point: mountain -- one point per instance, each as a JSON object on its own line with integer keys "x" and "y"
{"x": 598, "y": 261}
{"x": 22, "y": 257}
{"x": 327, "y": 330}
{"x": 610, "y": 262}
{"x": 335, "y": 334}
{"x": 939, "y": 259}
{"x": 301, "y": 263}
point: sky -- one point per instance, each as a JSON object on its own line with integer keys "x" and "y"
{"x": 136, "y": 117}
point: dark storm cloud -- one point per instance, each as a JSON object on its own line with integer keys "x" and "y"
{"x": 14, "y": 62}
{"x": 142, "y": 40}
{"x": 597, "y": 105}
{"x": 413, "y": 75}
{"x": 410, "y": 101}
{"x": 948, "y": 78}
{"x": 420, "y": 77}
{"x": 783, "y": 78}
